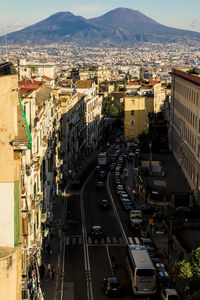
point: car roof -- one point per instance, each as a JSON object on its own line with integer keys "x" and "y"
{"x": 96, "y": 227}
{"x": 113, "y": 280}
{"x": 171, "y": 292}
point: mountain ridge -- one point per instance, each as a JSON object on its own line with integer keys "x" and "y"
{"x": 118, "y": 26}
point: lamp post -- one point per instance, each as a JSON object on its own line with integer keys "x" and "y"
{"x": 150, "y": 156}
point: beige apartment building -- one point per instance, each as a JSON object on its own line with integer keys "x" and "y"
{"x": 28, "y": 70}
{"x": 184, "y": 125}
{"x": 11, "y": 127}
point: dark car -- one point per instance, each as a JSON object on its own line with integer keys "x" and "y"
{"x": 100, "y": 185}
{"x": 158, "y": 216}
{"x": 135, "y": 226}
{"x": 102, "y": 174}
{"x": 96, "y": 232}
{"x": 111, "y": 286}
{"x": 147, "y": 209}
{"x": 105, "y": 203}
{"x": 183, "y": 211}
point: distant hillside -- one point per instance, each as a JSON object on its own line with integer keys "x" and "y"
{"x": 121, "y": 26}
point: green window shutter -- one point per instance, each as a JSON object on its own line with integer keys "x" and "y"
{"x": 16, "y": 214}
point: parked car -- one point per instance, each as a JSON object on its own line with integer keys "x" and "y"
{"x": 147, "y": 209}
{"x": 158, "y": 216}
{"x": 111, "y": 286}
{"x": 169, "y": 294}
{"x": 127, "y": 204}
{"x": 119, "y": 188}
{"x": 135, "y": 227}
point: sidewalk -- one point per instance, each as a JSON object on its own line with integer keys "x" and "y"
{"x": 161, "y": 240}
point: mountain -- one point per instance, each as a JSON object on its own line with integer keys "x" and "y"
{"x": 121, "y": 26}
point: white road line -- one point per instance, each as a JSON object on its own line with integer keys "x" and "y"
{"x": 130, "y": 240}
{"x": 108, "y": 240}
{"x": 114, "y": 240}
{"x": 137, "y": 241}
{"x": 73, "y": 240}
{"x": 67, "y": 241}
{"x": 85, "y": 244}
{"x": 115, "y": 210}
{"x": 89, "y": 240}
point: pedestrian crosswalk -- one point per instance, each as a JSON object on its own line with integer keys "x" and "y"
{"x": 107, "y": 240}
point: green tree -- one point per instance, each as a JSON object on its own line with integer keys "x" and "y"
{"x": 185, "y": 275}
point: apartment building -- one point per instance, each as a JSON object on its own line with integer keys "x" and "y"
{"x": 72, "y": 132}
{"x": 28, "y": 70}
{"x": 13, "y": 140}
{"x": 141, "y": 98}
{"x": 136, "y": 109}
{"x": 94, "y": 121}
{"x": 184, "y": 125}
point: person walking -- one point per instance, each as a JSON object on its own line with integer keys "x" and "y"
{"x": 49, "y": 270}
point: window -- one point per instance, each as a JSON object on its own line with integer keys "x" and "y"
{"x": 132, "y": 112}
{"x": 132, "y": 102}
{"x": 132, "y": 132}
{"x": 144, "y": 123}
{"x": 132, "y": 122}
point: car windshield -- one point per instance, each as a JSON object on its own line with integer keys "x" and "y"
{"x": 114, "y": 285}
{"x": 145, "y": 273}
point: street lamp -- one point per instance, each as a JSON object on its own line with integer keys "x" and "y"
{"x": 150, "y": 156}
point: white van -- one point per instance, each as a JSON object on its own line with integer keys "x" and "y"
{"x": 135, "y": 214}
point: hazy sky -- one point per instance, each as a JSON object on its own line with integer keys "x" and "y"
{"x": 174, "y": 13}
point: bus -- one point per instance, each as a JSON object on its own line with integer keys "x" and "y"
{"x": 102, "y": 159}
{"x": 141, "y": 271}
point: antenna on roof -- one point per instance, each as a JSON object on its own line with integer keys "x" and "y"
{"x": 6, "y": 45}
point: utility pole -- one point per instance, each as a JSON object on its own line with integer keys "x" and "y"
{"x": 150, "y": 157}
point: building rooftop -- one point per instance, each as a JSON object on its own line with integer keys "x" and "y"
{"x": 6, "y": 252}
{"x": 7, "y": 68}
{"x": 188, "y": 75}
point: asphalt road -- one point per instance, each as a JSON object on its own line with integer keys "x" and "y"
{"x": 87, "y": 262}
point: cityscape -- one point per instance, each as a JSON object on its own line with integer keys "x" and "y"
{"x": 100, "y": 161}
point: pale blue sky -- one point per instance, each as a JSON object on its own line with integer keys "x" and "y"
{"x": 174, "y": 13}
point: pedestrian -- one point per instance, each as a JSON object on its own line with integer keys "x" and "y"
{"x": 42, "y": 271}
{"x": 49, "y": 270}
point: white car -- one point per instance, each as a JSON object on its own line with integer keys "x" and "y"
{"x": 169, "y": 294}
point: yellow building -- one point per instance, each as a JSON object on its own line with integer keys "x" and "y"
{"x": 184, "y": 131}
{"x": 136, "y": 109}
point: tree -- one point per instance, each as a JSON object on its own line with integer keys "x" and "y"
{"x": 185, "y": 275}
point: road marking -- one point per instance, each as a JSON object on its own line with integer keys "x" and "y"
{"x": 67, "y": 241}
{"x": 73, "y": 240}
{"x": 114, "y": 240}
{"x": 108, "y": 240}
{"x": 137, "y": 241}
{"x": 130, "y": 240}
